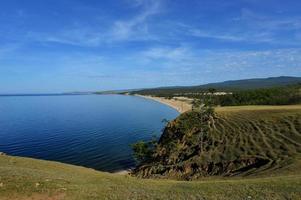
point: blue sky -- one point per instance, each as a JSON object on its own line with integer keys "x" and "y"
{"x": 88, "y": 45}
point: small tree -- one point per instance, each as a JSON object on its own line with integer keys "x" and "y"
{"x": 211, "y": 90}
{"x": 143, "y": 151}
{"x": 196, "y": 104}
{"x": 210, "y": 101}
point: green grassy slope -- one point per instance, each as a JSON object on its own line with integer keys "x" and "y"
{"x": 238, "y": 141}
{"x": 24, "y": 178}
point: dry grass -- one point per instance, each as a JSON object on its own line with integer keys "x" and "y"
{"x": 60, "y": 181}
{"x": 270, "y": 133}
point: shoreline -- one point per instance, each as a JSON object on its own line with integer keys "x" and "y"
{"x": 180, "y": 106}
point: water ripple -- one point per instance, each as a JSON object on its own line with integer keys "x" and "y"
{"x": 91, "y": 130}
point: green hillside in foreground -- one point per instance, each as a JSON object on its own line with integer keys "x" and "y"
{"x": 270, "y": 132}
{"x": 23, "y": 178}
{"x": 237, "y": 141}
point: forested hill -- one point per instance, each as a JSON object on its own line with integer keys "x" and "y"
{"x": 255, "y": 83}
{"x": 232, "y": 85}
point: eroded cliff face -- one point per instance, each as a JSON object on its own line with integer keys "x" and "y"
{"x": 198, "y": 144}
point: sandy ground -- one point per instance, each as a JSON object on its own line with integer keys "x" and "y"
{"x": 123, "y": 172}
{"x": 180, "y": 105}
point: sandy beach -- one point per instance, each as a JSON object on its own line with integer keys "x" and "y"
{"x": 180, "y": 105}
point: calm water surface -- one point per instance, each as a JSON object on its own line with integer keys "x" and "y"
{"x": 88, "y": 130}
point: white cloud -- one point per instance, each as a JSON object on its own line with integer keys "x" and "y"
{"x": 177, "y": 53}
{"x": 248, "y": 27}
{"x": 132, "y": 29}
{"x": 73, "y": 36}
{"x": 137, "y": 27}
{"x": 253, "y": 27}
{"x": 207, "y": 34}
{"x": 188, "y": 65}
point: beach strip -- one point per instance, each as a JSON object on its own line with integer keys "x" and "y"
{"x": 180, "y": 106}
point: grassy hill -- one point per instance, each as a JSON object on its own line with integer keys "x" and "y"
{"x": 24, "y": 179}
{"x": 271, "y": 133}
{"x": 237, "y": 141}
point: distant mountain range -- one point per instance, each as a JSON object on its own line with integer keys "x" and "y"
{"x": 231, "y": 85}
{"x": 46, "y": 94}
{"x": 255, "y": 83}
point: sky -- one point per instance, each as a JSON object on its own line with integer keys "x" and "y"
{"x": 54, "y": 46}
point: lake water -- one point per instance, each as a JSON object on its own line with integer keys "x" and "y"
{"x": 88, "y": 130}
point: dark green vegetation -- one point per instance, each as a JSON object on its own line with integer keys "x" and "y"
{"x": 227, "y": 86}
{"x": 285, "y": 95}
{"x": 236, "y": 141}
{"x": 288, "y": 95}
{"x": 143, "y": 150}
{"x": 281, "y": 90}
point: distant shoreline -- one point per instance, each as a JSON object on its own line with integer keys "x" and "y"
{"x": 42, "y": 95}
{"x": 180, "y": 106}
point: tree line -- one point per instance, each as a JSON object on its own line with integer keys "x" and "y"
{"x": 285, "y": 95}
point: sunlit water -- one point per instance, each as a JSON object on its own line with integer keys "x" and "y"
{"x": 88, "y": 130}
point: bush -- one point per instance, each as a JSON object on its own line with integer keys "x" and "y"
{"x": 143, "y": 150}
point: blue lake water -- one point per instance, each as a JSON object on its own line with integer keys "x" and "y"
{"x": 89, "y": 130}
